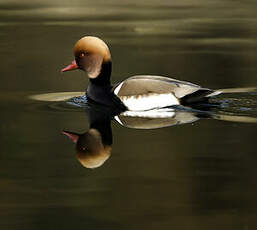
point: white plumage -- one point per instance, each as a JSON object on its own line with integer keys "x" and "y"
{"x": 149, "y": 101}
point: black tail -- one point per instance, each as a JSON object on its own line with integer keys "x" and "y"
{"x": 200, "y": 100}
{"x": 200, "y": 96}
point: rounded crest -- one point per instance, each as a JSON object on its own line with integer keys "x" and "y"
{"x": 92, "y": 45}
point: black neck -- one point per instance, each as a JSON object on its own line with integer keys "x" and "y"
{"x": 104, "y": 78}
{"x": 100, "y": 119}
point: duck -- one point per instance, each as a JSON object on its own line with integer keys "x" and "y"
{"x": 136, "y": 93}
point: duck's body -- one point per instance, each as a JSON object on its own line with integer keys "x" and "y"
{"x": 145, "y": 92}
{"x": 137, "y": 93}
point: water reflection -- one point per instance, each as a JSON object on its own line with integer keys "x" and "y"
{"x": 158, "y": 118}
{"x": 93, "y": 147}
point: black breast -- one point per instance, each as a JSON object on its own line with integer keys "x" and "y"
{"x": 105, "y": 96}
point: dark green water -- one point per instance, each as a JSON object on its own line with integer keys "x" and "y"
{"x": 200, "y": 175}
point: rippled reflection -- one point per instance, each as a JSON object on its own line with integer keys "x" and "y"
{"x": 93, "y": 147}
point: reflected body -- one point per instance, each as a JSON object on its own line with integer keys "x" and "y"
{"x": 93, "y": 147}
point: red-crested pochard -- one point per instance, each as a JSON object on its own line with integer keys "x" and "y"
{"x": 137, "y": 93}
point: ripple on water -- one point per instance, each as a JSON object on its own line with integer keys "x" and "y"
{"x": 238, "y": 105}
{"x": 61, "y": 101}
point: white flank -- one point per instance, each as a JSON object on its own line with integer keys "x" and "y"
{"x": 149, "y": 101}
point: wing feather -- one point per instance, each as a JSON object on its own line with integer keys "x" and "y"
{"x": 145, "y": 84}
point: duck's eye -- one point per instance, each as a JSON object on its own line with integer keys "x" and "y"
{"x": 82, "y": 55}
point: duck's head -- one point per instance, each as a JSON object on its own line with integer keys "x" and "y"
{"x": 90, "y": 149}
{"x": 91, "y": 53}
